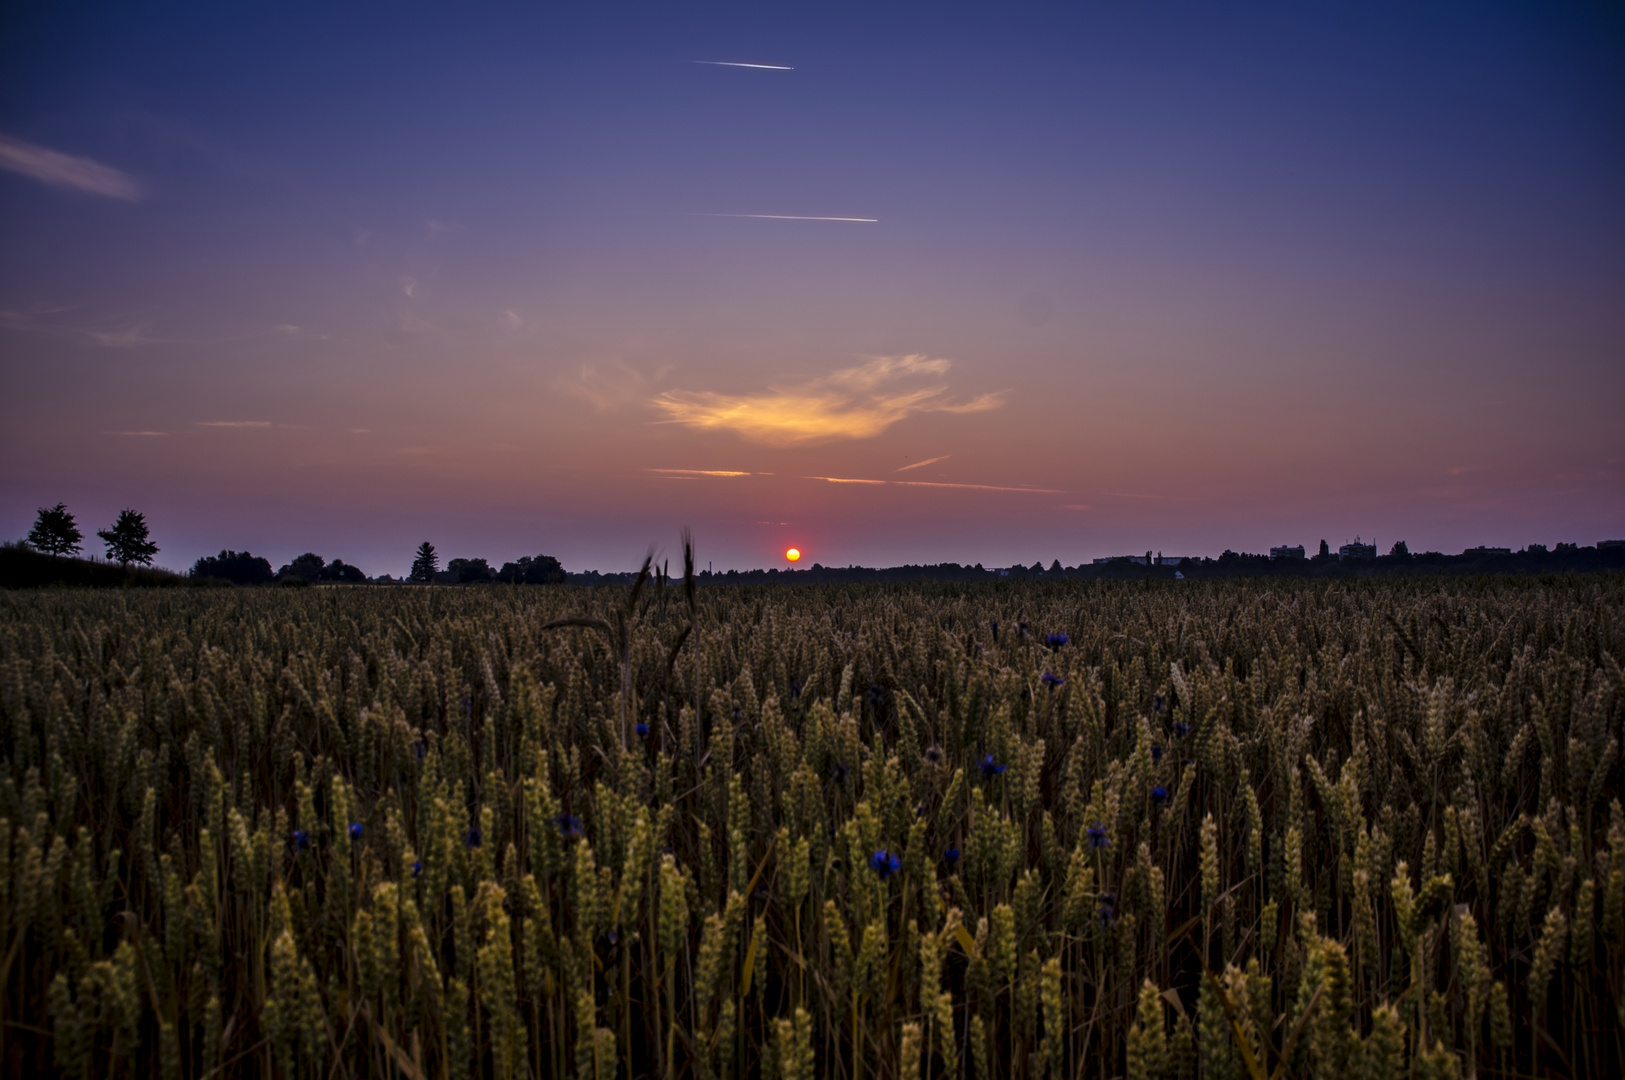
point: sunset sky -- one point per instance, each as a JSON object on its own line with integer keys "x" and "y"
{"x": 984, "y": 283}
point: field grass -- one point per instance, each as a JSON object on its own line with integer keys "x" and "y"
{"x": 1226, "y": 830}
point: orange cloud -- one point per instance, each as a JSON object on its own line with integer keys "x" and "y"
{"x": 852, "y": 403}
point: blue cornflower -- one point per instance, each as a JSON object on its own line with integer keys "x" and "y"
{"x": 933, "y": 754}
{"x": 1097, "y": 836}
{"x": 951, "y": 856}
{"x": 468, "y": 706}
{"x": 301, "y": 840}
{"x": 1052, "y": 680}
{"x": 642, "y": 730}
{"x": 1181, "y": 729}
{"x": 795, "y": 690}
{"x": 420, "y": 749}
{"x": 1055, "y": 641}
{"x": 840, "y": 772}
{"x": 991, "y": 768}
{"x": 1108, "y": 907}
{"x": 417, "y": 867}
{"x": 1158, "y": 703}
{"x": 569, "y": 825}
{"x": 876, "y": 695}
{"x": 885, "y": 863}
{"x": 355, "y": 830}
{"x": 1159, "y": 794}
{"x": 474, "y": 838}
{"x": 1156, "y": 751}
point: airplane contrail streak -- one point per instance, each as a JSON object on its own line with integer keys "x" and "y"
{"x": 923, "y": 464}
{"x": 794, "y": 217}
{"x": 730, "y": 63}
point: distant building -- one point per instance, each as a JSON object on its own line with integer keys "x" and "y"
{"x": 1138, "y": 560}
{"x": 1487, "y": 551}
{"x": 1357, "y": 551}
{"x": 1175, "y": 560}
{"x": 1610, "y": 545}
{"x": 1288, "y": 552}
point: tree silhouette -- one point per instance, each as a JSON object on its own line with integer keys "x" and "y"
{"x": 307, "y": 567}
{"x": 127, "y": 539}
{"x": 238, "y": 567}
{"x": 55, "y": 532}
{"x": 469, "y": 570}
{"x": 425, "y": 565}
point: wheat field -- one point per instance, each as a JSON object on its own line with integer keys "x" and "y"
{"x": 1221, "y": 830}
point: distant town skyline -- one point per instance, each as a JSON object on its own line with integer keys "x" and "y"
{"x": 892, "y": 285}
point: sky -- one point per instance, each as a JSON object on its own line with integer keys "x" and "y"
{"x": 895, "y": 283}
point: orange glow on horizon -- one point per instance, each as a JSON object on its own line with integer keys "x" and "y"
{"x": 793, "y": 554}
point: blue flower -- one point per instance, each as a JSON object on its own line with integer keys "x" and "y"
{"x": 569, "y": 825}
{"x": 1097, "y": 836}
{"x": 933, "y": 754}
{"x": 795, "y": 690}
{"x": 1055, "y": 641}
{"x": 420, "y": 749}
{"x": 355, "y": 831}
{"x": 876, "y": 695}
{"x": 991, "y": 768}
{"x": 474, "y": 838}
{"x": 885, "y": 863}
{"x": 301, "y": 840}
{"x": 1156, "y": 752}
{"x": 1159, "y": 794}
{"x": 1108, "y": 908}
{"x": 417, "y": 868}
{"x": 642, "y": 730}
{"x": 1052, "y": 680}
{"x": 1181, "y": 730}
{"x": 840, "y": 772}
{"x": 468, "y": 706}
{"x": 951, "y": 856}
{"x": 1158, "y": 703}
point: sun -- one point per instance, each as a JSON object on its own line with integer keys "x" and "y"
{"x": 793, "y": 554}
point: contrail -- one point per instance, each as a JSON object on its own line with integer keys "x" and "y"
{"x": 795, "y": 217}
{"x": 730, "y": 63}
{"x": 927, "y": 461}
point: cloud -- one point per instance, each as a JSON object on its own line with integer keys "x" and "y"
{"x": 67, "y": 171}
{"x": 233, "y": 423}
{"x": 798, "y": 217}
{"x": 731, "y": 63}
{"x": 614, "y": 384}
{"x": 852, "y": 403}
{"x": 143, "y": 433}
{"x": 933, "y": 484}
{"x": 704, "y": 472}
{"x": 122, "y": 339}
{"x": 923, "y": 464}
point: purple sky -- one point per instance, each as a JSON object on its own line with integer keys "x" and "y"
{"x": 1183, "y": 277}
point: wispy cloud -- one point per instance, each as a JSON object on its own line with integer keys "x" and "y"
{"x": 704, "y": 472}
{"x": 142, "y": 433}
{"x": 795, "y": 217}
{"x": 923, "y": 464}
{"x": 122, "y": 339}
{"x": 733, "y": 63}
{"x": 57, "y": 169}
{"x": 852, "y": 403}
{"x": 933, "y": 484}
{"x": 233, "y": 423}
{"x": 610, "y": 384}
